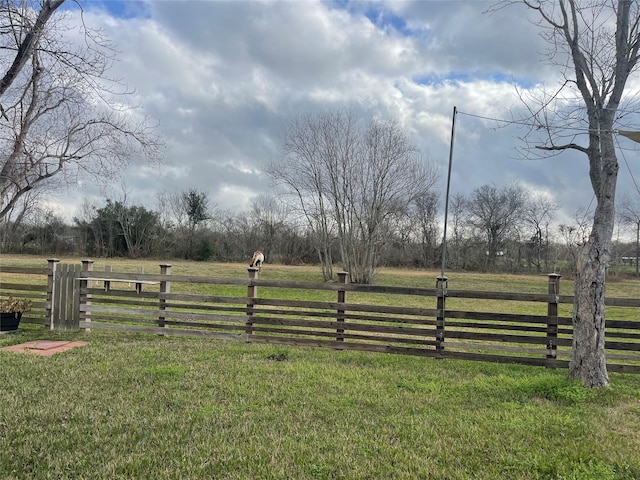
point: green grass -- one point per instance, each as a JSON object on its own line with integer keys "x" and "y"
{"x": 133, "y": 406}
{"x": 617, "y": 286}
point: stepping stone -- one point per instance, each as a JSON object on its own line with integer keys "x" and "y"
{"x": 44, "y": 347}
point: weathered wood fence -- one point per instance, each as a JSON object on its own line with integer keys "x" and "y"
{"x": 530, "y": 329}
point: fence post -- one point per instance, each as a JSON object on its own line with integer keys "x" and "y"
{"x": 552, "y": 315}
{"x": 441, "y": 293}
{"x": 107, "y": 283}
{"x": 165, "y": 287}
{"x": 252, "y": 293}
{"x": 139, "y": 285}
{"x": 51, "y": 288}
{"x": 342, "y": 298}
{"x": 84, "y": 298}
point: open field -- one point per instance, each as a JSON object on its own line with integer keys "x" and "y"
{"x": 144, "y": 406}
{"x": 617, "y": 286}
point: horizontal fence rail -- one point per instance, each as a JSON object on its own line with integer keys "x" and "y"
{"x": 430, "y": 322}
{"x": 33, "y": 284}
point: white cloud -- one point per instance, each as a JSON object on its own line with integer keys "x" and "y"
{"x": 223, "y": 78}
{"x": 234, "y": 197}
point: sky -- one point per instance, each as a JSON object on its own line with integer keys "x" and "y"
{"x": 224, "y": 78}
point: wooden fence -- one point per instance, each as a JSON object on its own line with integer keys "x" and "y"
{"x": 529, "y": 330}
{"x": 35, "y": 284}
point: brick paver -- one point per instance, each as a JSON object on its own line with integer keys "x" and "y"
{"x": 44, "y": 347}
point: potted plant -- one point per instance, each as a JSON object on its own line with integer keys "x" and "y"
{"x": 11, "y": 310}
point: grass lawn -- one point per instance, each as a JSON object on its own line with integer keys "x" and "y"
{"x": 141, "y": 406}
{"x": 144, "y": 406}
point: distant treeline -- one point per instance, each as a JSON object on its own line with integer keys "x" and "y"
{"x": 205, "y": 234}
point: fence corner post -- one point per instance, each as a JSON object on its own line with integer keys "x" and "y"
{"x": 552, "y": 315}
{"x": 252, "y": 294}
{"x": 441, "y": 294}
{"x": 165, "y": 287}
{"x": 84, "y": 297}
{"x": 342, "y": 298}
{"x": 51, "y": 288}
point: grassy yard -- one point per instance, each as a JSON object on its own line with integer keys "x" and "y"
{"x": 143, "y": 406}
{"x": 129, "y": 406}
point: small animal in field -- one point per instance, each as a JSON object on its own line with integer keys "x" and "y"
{"x": 258, "y": 258}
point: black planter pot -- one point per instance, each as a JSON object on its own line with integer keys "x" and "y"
{"x": 9, "y": 321}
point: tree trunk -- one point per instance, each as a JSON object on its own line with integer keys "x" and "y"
{"x": 588, "y": 362}
{"x": 29, "y": 43}
{"x": 326, "y": 262}
{"x": 638, "y": 249}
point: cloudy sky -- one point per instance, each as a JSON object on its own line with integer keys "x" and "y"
{"x": 223, "y": 78}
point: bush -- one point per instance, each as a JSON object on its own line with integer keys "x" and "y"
{"x": 204, "y": 251}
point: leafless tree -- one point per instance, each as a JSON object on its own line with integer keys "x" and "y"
{"x": 11, "y": 223}
{"x": 271, "y": 216}
{"x": 495, "y": 213}
{"x": 350, "y": 181}
{"x": 85, "y": 213}
{"x": 575, "y": 235}
{"x": 539, "y": 211}
{"x": 138, "y": 225}
{"x": 60, "y": 115}
{"x": 595, "y": 44}
{"x": 425, "y": 213}
{"x": 16, "y": 16}
{"x": 308, "y": 145}
{"x": 459, "y": 224}
{"x": 630, "y": 215}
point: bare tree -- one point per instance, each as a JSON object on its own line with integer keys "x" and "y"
{"x": 495, "y": 213}
{"x": 630, "y": 215}
{"x": 19, "y": 15}
{"x": 459, "y": 224}
{"x": 539, "y": 211}
{"x": 10, "y": 224}
{"x": 61, "y": 114}
{"x": 83, "y": 220}
{"x": 41, "y": 231}
{"x": 308, "y": 143}
{"x": 351, "y": 180}
{"x": 138, "y": 225}
{"x": 595, "y": 43}
{"x": 270, "y": 215}
{"x": 425, "y": 212}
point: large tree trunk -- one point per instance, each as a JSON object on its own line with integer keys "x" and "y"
{"x": 327, "y": 264}
{"x": 638, "y": 249}
{"x": 602, "y": 57}
{"x": 588, "y": 363}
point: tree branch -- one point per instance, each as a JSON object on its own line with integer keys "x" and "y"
{"x": 29, "y": 42}
{"x": 568, "y": 146}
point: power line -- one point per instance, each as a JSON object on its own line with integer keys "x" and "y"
{"x": 628, "y": 167}
{"x": 529, "y": 124}
{"x": 586, "y": 130}
{"x": 499, "y": 120}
